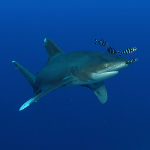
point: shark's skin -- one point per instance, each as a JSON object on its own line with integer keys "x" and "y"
{"x": 83, "y": 68}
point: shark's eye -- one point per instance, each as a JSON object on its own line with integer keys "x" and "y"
{"x": 106, "y": 65}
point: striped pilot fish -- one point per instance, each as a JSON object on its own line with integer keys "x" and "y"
{"x": 101, "y": 42}
{"x": 112, "y": 50}
{"x": 132, "y": 60}
{"x": 128, "y": 50}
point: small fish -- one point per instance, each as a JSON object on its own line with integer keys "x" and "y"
{"x": 132, "y": 60}
{"x": 112, "y": 50}
{"x": 128, "y": 50}
{"x": 101, "y": 42}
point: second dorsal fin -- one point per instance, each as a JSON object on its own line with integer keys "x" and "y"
{"x": 51, "y": 48}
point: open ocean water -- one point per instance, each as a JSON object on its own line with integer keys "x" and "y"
{"x": 73, "y": 118}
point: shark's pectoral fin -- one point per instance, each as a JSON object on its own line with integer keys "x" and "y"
{"x": 100, "y": 91}
{"x": 53, "y": 87}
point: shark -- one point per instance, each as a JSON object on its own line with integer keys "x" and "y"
{"x": 78, "y": 68}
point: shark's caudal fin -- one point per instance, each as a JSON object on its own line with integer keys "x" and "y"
{"x": 51, "y": 48}
{"x": 30, "y": 77}
{"x": 100, "y": 91}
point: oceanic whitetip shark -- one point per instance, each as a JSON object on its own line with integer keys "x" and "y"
{"x": 83, "y": 68}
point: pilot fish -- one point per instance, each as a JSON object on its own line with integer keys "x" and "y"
{"x": 101, "y": 42}
{"x": 112, "y": 50}
{"x": 128, "y": 50}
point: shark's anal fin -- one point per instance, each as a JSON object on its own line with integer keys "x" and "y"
{"x": 100, "y": 91}
{"x": 53, "y": 87}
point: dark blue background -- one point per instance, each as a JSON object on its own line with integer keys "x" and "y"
{"x": 73, "y": 118}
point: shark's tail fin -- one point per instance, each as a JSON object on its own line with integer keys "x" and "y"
{"x": 30, "y": 77}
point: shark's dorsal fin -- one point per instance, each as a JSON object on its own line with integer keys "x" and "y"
{"x": 100, "y": 91}
{"x": 51, "y": 48}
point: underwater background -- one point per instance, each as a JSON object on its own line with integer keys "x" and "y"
{"x": 73, "y": 118}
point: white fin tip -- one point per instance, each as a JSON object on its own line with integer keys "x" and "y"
{"x": 26, "y": 104}
{"x": 45, "y": 40}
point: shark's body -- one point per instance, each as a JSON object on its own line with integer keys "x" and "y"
{"x": 84, "y": 68}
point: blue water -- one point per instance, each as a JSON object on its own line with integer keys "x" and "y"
{"x": 73, "y": 118}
